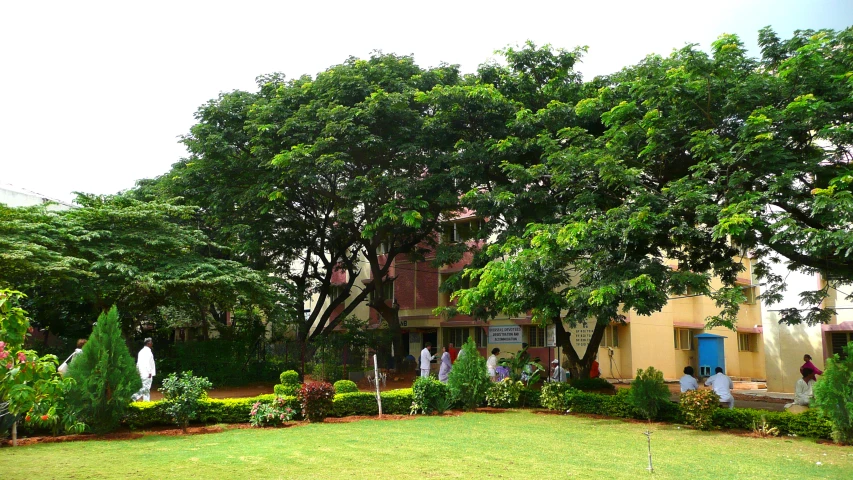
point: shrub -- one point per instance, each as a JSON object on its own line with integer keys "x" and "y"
{"x": 428, "y": 395}
{"x": 276, "y": 412}
{"x": 698, "y": 407}
{"x": 182, "y": 395}
{"x": 316, "y": 399}
{"x": 345, "y": 386}
{"x": 648, "y": 392}
{"x": 529, "y": 397}
{"x": 106, "y": 376}
{"x": 326, "y": 372}
{"x": 468, "y": 380}
{"x": 833, "y": 394}
{"x": 394, "y": 402}
{"x": 554, "y": 396}
{"x": 289, "y": 384}
{"x": 211, "y": 410}
{"x": 504, "y": 394}
{"x": 591, "y": 384}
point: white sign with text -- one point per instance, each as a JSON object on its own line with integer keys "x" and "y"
{"x": 509, "y": 334}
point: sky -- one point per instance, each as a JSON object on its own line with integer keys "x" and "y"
{"x": 97, "y": 94}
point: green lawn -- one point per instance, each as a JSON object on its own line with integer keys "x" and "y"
{"x": 510, "y": 445}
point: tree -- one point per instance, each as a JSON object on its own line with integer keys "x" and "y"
{"x": 182, "y": 395}
{"x": 468, "y": 380}
{"x": 116, "y": 250}
{"x": 687, "y": 162}
{"x": 315, "y": 179}
{"x": 106, "y": 375}
{"x": 833, "y": 394}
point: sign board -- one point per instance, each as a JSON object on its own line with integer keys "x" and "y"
{"x": 508, "y": 334}
{"x": 551, "y": 336}
{"x": 580, "y": 338}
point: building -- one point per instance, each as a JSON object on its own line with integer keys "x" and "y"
{"x": 13, "y": 196}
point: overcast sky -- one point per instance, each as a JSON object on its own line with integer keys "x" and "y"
{"x": 96, "y": 94}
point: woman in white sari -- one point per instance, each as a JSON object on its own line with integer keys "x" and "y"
{"x": 444, "y": 369}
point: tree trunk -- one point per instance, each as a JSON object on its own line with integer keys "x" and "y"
{"x": 579, "y": 367}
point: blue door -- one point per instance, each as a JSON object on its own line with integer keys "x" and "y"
{"x": 712, "y": 353}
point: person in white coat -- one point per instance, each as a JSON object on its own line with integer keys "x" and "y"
{"x": 688, "y": 382}
{"x": 426, "y": 357}
{"x": 446, "y": 366}
{"x": 147, "y": 371}
{"x": 722, "y": 386}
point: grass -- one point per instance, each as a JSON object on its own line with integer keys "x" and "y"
{"x": 516, "y": 444}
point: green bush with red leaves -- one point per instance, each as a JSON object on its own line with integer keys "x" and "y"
{"x": 316, "y": 399}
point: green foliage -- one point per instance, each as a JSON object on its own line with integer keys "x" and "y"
{"x": 522, "y": 367}
{"x": 289, "y": 384}
{"x": 649, "y": 392}
{"x": 530, "y": 398}
{"x": 591, "y": 384}
{"x": 345, "y": 386}
{"x": 105, "y": 374}
{"x": 269, "y": 414}
{"x": 327, "y": 372}
{"x": 316, "y": 399}
{"x": 504, "y": 394}
{"x": 468, "y": 381}
{"x": 698, "y": 407}
{"x": 182, "y": 395}
{"x": 428, "y": 395}
{"x": 555, "y": 396}
{"x": 394, "y": 402}
{"x": 225, "y": 362}
{"x": 211, "y": 410}
{"x": 833, "y": 395}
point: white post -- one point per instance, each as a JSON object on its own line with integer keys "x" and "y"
{"x": 15, "y": 434}
{"x": 376, "y": 381}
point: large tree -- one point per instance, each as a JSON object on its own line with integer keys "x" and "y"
{"x": 314, "y": 176}
{"x": 116, "y": 250}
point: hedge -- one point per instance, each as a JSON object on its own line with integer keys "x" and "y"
{"x": 807, "y": 424}
{"x": 236, "y": 410}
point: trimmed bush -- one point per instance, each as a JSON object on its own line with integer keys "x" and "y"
{"x": 345, "y": 386}
{"x": 211, "y": 410}
{"x": 699, "y": 406}
{"x": 592, "y": 384}
{"x": 289, "y": 384}
{"x": 504, "y": 394}
{"x": 529, "y": 398}
{"x": 394, "y": 402}
{"x": 316, "y": 399}
{"x": 834, "y": 395}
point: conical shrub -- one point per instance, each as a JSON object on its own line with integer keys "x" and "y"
{"x": 105, "y": 375}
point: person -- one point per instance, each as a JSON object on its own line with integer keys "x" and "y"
{"x": 492, "y": 363}
{"x": 454, "y": 352}
{"x": 559, "y": 374}
{"x": 595, "y": 369}
{"x": 147, "y": 371}
{"x": 808, "y": 365}
{"x": 446, "y": 366}
{"x": 688, "y": 382}
{"x": 722, "y": 386}
{"x": 426, "y": 357}
{"x": 803, "y": 393}
{"x": 63, "y": 369}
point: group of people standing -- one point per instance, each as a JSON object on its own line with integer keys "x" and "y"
{"x": 448, "y": 357}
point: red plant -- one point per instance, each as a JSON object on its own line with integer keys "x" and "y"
{"x": 316, "y": 399}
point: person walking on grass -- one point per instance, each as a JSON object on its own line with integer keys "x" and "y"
{"x": 426, "y": 357}
{"x": 147, "y": 371}
{"x": 722, "y": 386}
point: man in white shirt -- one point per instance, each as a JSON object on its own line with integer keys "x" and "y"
{"x": 426, "y": 357}
{"x": 492, "y": 364}
{"x": 803, "y": 389}
{"x": 559, "y": 374}
{"x": 688, "y": 382}
{"x": 145, "y": 365}
{"x": 722, "y": 386}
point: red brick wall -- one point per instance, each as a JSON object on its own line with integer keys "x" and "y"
{"x": 404, "y": 286}
{"x": 427, "y": 291}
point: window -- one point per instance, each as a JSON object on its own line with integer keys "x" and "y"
{"x": 387, "y": 291}
{"x": 751, "y": 293}
{"x": 747, "y": 342}
{"x": 461, "y": 231}
{"x": 535, "y": 336}
{"x": 456, "y": 336}
{"x": 683, "y": 339}
{"x": 611, "y": 337}
{"x": 335, "y": 291}
{"x": 481, "y": 337}
{"x": 461, "y": 283}
{"x": 839, "y": 340}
